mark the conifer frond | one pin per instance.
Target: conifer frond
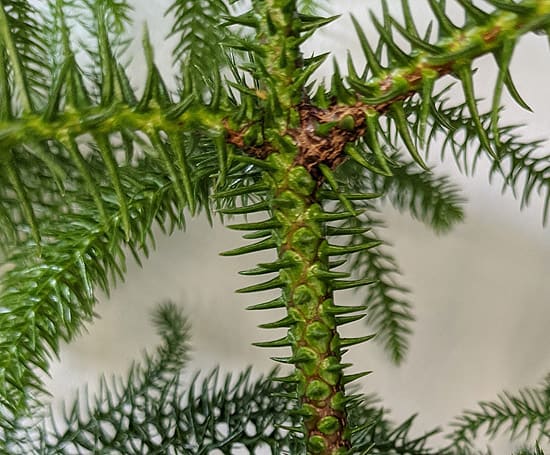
(378, 435)
(537, 450)
(44, 192)
(200, 35)
(152, 410)
(119, 404)
(88, 166)
(524, 414)
(522, 163)
(59, 146)
(22, 37)
(70, 111)
(100, 27)
(48, 298)
(388, 311)
(432, 199)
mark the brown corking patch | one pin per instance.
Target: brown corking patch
(328, 149)
(313, 149)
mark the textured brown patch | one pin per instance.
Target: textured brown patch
(328, 149)
(313, 149)
(236, 138)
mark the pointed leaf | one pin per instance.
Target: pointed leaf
(465, 75)
(24, 199)
(106, 152)
(265, 286)
(241, 190)
(446, 27)
(287, 321)
(281, 342)
(267, 224)
(392, 48)
(272, 304)
(373, 63)
(176, 142)
(347, 342)
(336, 250)
(399, 117)
(372, 134)
(338, 285)
(331, 179)
(261, 206)
(356, 156)
(349, 319)
(266, 244)
(343, 230)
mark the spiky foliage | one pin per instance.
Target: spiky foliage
(522, 164)
(527, 451)
(71, 241)
(199, 41)
(524, 414)
(433, 199)
(425, 196)
(389, 311)
(152, 410)
(89, 165)
(23, 42)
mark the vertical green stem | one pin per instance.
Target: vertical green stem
(297, 229)
(279, 36)
(305, 277)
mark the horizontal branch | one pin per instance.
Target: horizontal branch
(454, 52)
(105, 120)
